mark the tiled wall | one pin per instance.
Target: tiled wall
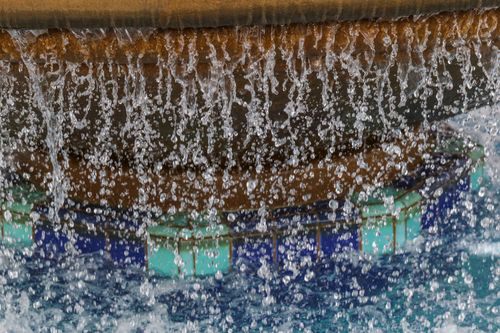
(293, 238)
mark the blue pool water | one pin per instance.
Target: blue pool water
(447, 280)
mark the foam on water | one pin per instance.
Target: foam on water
(486, 249)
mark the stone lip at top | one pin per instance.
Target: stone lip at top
(175, 14)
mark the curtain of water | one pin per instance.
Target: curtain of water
(251, 99)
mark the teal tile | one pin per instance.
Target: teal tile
(374, 205)
(171, 227)
(23, 198)
(212, 256)
(170, 258)
(179, 220)
(213, 250)
(171, 252)
(18, 232)
(210, 231)
(477, 176)
(377, 229)
(477, 153)
(163, 231)
(401, 230)
(377, 236)
(186, 252)
(161, 259)
(413, 225)
(374, 210)
(203, 247)
(410, 199)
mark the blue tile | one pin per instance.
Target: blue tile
(126, 251)
(336, 241)
(89, 243)
(437, 209)
(429, 218)
(50, 241)
(295, 248)
(285, 218)
(244, 221)
(109, 218)
(464, 184)
(252, 250)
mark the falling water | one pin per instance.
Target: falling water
(196, 121)
(228, 101)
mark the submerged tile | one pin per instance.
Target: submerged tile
(89, 242)
(161, 259)
(385, 214)
(18, 232)
(50, 241)
(212, 256)
(252, 250)
(413, 223)
(22, 199)
(377, 236)
(297, 247)
(171, 258)
(179, 246)
(341, 239)
(477, 176)
(127, 251)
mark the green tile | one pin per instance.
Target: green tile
(457, 145)
(401, 230)
(213, 251)
(210, 231)
(413, 225)
(186, 252)
(477, 176)
(410, 199)
(198, 243)
(162, 258)
(163, 231)
(452, 145)
(23, 198)
(374, 205)
(18, 232)
(171, 248)
(377, 236)
(477, 153)
(377, 229)
(212, 256)
(179, 220)
(374, 210)
(171, 227)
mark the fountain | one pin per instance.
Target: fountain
(180, 136)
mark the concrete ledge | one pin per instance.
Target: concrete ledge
(32, 14)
